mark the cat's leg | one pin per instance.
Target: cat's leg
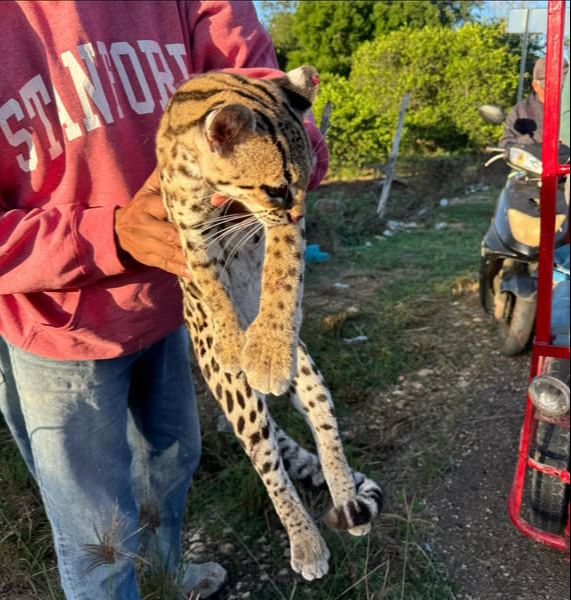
(356, 500)
(304, 466)
(269, 356)
(248, 414)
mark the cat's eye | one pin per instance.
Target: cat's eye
(276, 193)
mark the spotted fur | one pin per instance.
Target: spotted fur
(245, 139)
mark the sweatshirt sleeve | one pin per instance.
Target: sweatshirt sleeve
(228, 36)
(60, 248)
(509, 134)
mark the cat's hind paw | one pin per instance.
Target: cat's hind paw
(356, 515)
(310, 556)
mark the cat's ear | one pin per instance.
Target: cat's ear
(300, 86)
(228, 127)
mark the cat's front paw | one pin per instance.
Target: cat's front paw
(268, 360)
(230, 341)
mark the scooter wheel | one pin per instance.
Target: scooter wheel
(516, 326)
(549, 496)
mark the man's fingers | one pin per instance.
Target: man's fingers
(146, 229)
(154, 246)
(171, 266)
(152, 205)
(167, 232)
(142, 230)
(156, 253)
(152, 183)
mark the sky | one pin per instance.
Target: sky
(491, 8)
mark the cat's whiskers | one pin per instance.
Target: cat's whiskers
(210, 224)
(240, 245)
(207, 197)
(233, 230)
(236, 231)
(221, 220)
(225, 205)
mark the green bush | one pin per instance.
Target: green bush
(356, 131)
(449, 73)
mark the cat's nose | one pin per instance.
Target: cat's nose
(296, 214)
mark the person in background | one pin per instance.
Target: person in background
(95, 383)
(524, 124)
(564, 124)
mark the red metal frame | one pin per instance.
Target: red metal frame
(542, 347)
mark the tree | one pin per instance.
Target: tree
(326, 34)
(278, 17)
(449, 72)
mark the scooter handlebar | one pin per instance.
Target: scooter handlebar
(491, 149)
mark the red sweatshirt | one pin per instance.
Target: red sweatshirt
(82, 90)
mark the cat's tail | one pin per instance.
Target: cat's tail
(300, 464)
(357, 514)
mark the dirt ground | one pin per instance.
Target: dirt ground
(485, 554)
(466, 499)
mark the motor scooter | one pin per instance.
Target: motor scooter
(510, 248)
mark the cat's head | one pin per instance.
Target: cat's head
(254, 147)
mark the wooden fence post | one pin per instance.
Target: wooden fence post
(325, 118)
(389, 171)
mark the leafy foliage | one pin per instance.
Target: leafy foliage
(279, 16)
(326, 34)
(449, 73)
(356, 133)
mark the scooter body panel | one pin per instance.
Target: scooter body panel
(515, 229)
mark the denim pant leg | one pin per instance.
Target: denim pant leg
(11, 408)
(164, 431)
(76, 423)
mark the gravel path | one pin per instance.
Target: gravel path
(486, 555)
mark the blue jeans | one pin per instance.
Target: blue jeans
(113, 445)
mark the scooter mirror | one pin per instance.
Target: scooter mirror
(492, 114)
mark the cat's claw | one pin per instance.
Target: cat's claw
(269, 362)
(361, 530)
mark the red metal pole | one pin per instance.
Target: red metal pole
(551, 168)
(541, 347)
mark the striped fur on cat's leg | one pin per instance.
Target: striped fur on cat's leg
(356, 500)
(269, 356)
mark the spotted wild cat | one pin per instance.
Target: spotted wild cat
(244, 139)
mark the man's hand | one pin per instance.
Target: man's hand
(143, 232)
